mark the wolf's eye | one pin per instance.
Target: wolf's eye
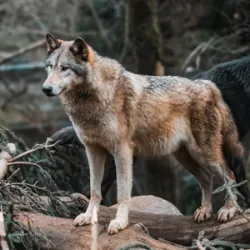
(64, 68)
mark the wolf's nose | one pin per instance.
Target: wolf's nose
(47, 90)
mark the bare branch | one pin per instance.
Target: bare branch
(24, 163)
(14, 95)
(199, 245)
(57, 32)
(32, 150)
(99, 23)
(22, 51)
(38, 20)
(126, 33)
(191, 56)
(201, 48)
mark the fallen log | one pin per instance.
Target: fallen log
(178, 229)
(183, 229)
(64, 236)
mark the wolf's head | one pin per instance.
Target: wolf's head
(67, 64)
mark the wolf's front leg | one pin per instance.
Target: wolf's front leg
(96, 159)
(123, 161)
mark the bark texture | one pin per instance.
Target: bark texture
(179, 229)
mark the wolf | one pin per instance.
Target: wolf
(233, 80)
(115, 111)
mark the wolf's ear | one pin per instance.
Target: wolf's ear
(52, 43)
(80, 49)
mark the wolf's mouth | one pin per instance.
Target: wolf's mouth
(49, 94)
(49, 91)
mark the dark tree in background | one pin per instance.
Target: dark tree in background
(146, 36)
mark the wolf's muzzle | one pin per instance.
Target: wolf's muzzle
(48, 90)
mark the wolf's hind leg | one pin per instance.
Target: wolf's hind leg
(96, 159)
(205, 180)
(228, 211)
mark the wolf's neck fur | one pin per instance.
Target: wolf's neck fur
(103, 77)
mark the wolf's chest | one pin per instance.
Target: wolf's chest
(102, 131)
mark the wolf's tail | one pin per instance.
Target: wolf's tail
(233, 153)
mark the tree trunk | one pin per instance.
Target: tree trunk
(178, 229)
(148, 46)
(146, 36)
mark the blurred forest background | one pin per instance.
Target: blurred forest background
(157, 37)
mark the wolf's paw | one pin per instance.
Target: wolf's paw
(202, 213)
(82, 219)
(117, 225)
(226, 213)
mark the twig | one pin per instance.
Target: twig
(65, 34)
(13, 96)
(22, 66)
(231, 190)
(191, 56)
(200, 48)
(216, 45)
(126, 33)
(74, 15)
(16, 184)
(38, 147)
(21, 51)
(17, 170)
(229, 37)
(24, 163)
(199, 245)
(99, 23)
(204, 48)
(38, 20)
(203, 243)
(241, 50)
